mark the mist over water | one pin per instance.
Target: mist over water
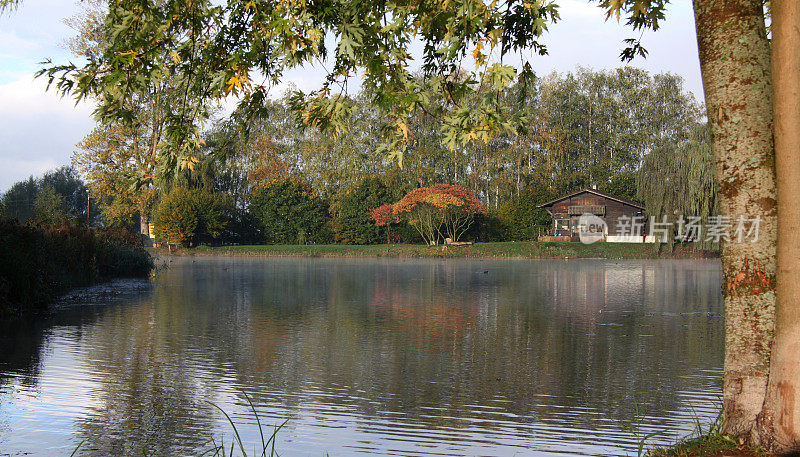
(376, 356)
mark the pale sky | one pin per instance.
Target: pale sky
(38, 130)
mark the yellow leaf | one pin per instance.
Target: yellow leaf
(233, 84)
(402, 127)
(495, 35)
(477, 54)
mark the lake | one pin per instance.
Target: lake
(371, 356)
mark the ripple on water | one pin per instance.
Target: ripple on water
(374, 357)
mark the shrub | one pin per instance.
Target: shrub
(176, 217)
(189, 216)
(351, 211)
(243, 228)
(288, 212)
(487, 227)
(120, 253)
(215, 212)
(383, 216)
(519, 217)
(49, 208)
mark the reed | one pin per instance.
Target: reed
(39, 263)
(235, 447)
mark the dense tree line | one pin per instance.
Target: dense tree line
(582, 129)
(57, 196)
(638, 136)
(619, 131)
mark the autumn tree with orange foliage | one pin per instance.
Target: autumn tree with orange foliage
(447, 207)
(382, 216)
(268, 166)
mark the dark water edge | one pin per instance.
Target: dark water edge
(389, 357)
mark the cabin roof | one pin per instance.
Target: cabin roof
(596, 192)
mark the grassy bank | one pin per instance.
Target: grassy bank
(38, 264)
(705, 441)
(710, 443)
(708, 446)
(511, 250)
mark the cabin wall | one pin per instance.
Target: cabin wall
(613, 211)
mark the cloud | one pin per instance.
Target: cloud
(12, 45)
(583, 37)
(21, 169)
(575, 9)
(38, 130)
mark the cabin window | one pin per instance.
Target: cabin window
(577, 226)
(562, 224)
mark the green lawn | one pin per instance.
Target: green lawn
(530, 250)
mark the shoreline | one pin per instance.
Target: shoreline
(493, 250)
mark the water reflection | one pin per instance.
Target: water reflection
(386, 357)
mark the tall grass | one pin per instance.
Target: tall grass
(267, 441)
(705, 440)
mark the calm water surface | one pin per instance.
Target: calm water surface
(384, 357)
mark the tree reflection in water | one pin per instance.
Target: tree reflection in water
(385, 356)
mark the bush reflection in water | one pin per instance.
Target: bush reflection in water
(380, 356)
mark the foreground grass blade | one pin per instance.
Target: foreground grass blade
(235, 430)
(258, 422)
(76, 448)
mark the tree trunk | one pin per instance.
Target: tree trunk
(144, 223)
(735, 64)
(779, 422)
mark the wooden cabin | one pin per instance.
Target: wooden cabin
(567, 210)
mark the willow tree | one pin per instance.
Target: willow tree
(676, 178)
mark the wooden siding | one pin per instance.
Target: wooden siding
(612, 210)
